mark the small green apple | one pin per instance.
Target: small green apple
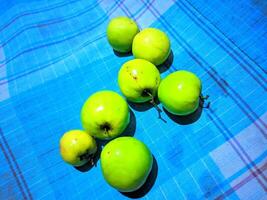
(139, 80)
(179, 92)
(151, 44)
(105, 114)
(121, 32)
(77, 147)
(126, 163)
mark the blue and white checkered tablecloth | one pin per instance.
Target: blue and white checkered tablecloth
(54, 54)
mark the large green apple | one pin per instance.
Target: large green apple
(139, 80)
(179, 92)
(77, 147)
(126, 163)
(105, 114)
(151, 44)
(121, 32)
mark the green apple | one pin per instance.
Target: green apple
(121, 32)
(180, 92)
(126, 163)
(151, 44)
(77, 147)
(105, 114)
(139, 80)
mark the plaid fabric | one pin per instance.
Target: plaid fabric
(54, 54)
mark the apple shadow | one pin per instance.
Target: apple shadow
(167, 63)
(187, 119)
(150, 181)
(141, 107)
(191, 118)
(130, 129)
(121, 54)
(89, 165)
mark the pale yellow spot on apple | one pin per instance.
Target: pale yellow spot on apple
(134, 72)
(100, 108)
(74, 141)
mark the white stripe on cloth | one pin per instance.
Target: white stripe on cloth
(4, 93)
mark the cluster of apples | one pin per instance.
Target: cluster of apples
(125, 161)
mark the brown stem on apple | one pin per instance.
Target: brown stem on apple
(205, 106)
(152, 101)
(202, 99)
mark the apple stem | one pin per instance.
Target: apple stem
(155, 105)
(152, 101)
(205, 106)
(202, 99)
